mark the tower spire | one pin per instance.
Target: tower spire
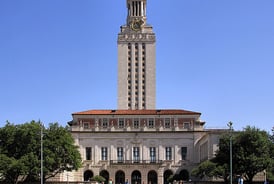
(136, 10)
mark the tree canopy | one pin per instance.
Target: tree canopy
(20, 147)
(252, 153)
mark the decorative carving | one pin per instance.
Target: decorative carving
(144, 37)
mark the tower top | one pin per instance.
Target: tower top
(136, 12)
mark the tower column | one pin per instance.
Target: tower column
(142, 8)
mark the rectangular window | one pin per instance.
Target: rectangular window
(105, 123)
(167, 123)
(104, 153)
(183, 152)
(151, 123)
(121, 123)
(136, 154)
(187, 125)
(136, 123)
(168, 153)
(86, 125)
(88, 153)
(152, 153)
(120, 154)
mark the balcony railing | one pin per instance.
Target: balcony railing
(131, 162)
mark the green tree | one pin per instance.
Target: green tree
(205, 169)
(60, 153)
(15, 147)
(270, 169)
(251, 152)
(20, 147)
(210, 169)
(98, 178)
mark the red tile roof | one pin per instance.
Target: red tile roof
(138, 112)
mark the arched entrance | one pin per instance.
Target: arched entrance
(167, 175)
(152, 177)
(105, 174)
(120, 177)
(184, 175)
(136, 177)
(88, 174)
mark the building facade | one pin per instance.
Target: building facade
(140, 146)
(137, 143)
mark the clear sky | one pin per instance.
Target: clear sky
(213, 56)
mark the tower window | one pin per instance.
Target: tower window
(143, 46)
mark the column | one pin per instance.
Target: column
(142, 8)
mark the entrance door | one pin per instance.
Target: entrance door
(152, 177)
(167, 175)
(136, 177)
(88, 175)
(105, 175)
(120, 177)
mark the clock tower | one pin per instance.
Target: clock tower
(136, 60)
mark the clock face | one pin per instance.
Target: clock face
(136, 25)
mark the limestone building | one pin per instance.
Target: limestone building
(137, 143)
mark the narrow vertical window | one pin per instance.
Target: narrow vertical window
(183, 152)
(104, 153)
(121, 123)
(167, 123)
(120, 154)
(105, 123)
(136, 123)
(136, 154)
(152, 152)
(168, 153)
(88, 153)
(151, 123)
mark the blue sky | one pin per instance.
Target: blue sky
(213, 56)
